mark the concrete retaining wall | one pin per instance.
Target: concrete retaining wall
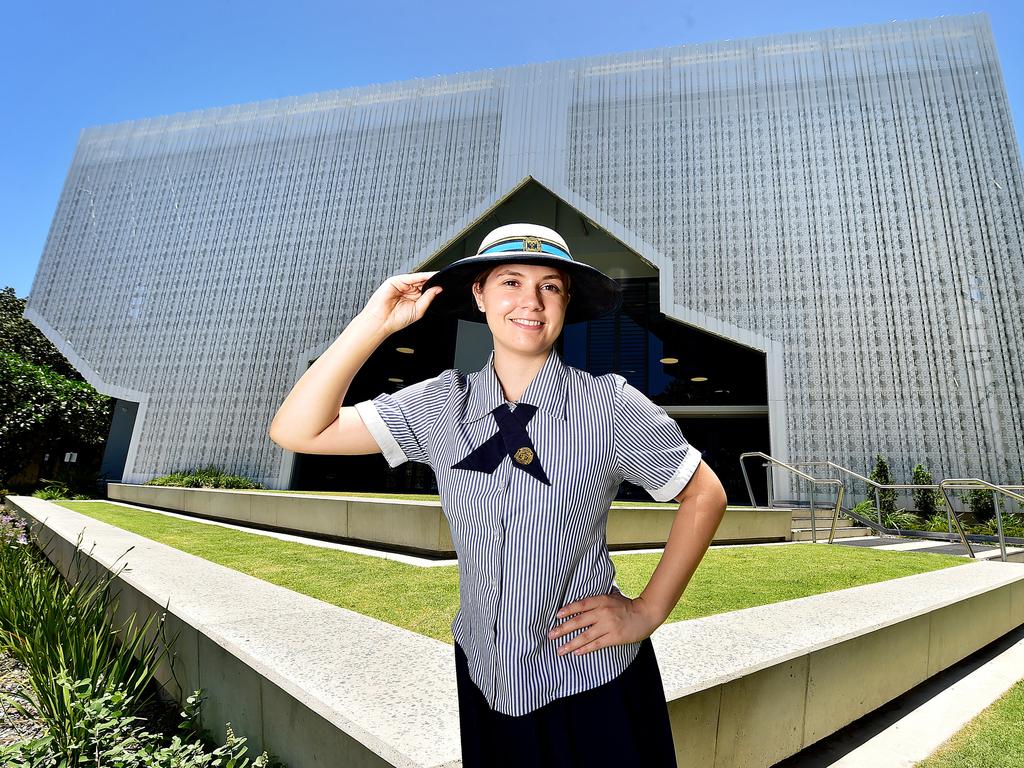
(419, 527)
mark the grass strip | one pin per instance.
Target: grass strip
(425, 600)
(993, 739)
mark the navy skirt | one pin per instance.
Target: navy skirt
(622, 722)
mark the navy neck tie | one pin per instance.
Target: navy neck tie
(510, 440)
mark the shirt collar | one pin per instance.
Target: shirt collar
(547, 391)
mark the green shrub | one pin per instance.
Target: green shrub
(901, 518)
(938, 523)
(55, 490)
(866, 509)
(205, 477)
(51, 625)
(881, 475)
(106, 734)
(926, 500)
(980, 504)
(1013, 525)
(86, 676)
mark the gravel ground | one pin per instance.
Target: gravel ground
(14, 726)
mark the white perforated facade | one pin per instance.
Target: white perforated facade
(847, 202)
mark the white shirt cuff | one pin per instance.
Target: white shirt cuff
(375, 425)
(682, 476)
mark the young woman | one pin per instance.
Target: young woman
(554, 664)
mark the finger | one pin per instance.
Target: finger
(591, 646)
(574, 607)
(424, 300)
(581, 641)
(416, 277)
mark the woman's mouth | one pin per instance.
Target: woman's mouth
(527, 325)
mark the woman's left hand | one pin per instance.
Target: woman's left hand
(613, 619)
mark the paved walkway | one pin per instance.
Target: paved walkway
(925, 545)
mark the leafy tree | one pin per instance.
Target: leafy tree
(926, 500)
(22, 338)
(881, 475)
(45, 404)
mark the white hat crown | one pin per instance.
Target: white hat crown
(522, 231)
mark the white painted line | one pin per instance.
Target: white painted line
(912, 545)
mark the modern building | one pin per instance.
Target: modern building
(819, 235)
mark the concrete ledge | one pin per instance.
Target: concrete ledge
(320, 685)
(754, 686)
(316, 684)
(420, 527)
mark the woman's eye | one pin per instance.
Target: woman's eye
(546, 285)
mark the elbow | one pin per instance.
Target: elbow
(278, 439)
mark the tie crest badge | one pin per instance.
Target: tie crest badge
(511, 439)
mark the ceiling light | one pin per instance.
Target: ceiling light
(698, 378)
(405, 350)
(395, 379)
(669, 360)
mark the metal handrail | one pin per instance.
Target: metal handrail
(879, 487)
(805, 476)
(951, 514)
(974, 482)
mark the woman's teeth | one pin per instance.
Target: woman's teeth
(528, 323)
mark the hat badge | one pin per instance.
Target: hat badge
(524, 455)
(531, 243)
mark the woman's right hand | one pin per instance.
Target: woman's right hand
(400, 302)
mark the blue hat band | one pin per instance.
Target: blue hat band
(521, 245)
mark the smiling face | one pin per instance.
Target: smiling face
(525, 305)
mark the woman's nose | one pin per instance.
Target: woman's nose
(534, 298)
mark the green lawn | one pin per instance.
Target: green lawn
(425, 600)
(994, 739)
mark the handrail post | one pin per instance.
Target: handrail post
(996, 503)
(835, 512)
(949, 503)
(814, 518)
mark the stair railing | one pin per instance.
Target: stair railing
(976, 483)
(840, 488)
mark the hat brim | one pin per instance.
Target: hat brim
(592, 292)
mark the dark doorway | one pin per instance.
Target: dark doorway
(714, 388)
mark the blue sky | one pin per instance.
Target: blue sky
(66, 66)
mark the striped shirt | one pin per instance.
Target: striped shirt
(527, 547)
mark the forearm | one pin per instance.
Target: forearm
(316, 398)
(693, 528)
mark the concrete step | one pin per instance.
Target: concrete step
(804, 521)
(847, 531)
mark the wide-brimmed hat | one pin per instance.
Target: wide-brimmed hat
(592, 293)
